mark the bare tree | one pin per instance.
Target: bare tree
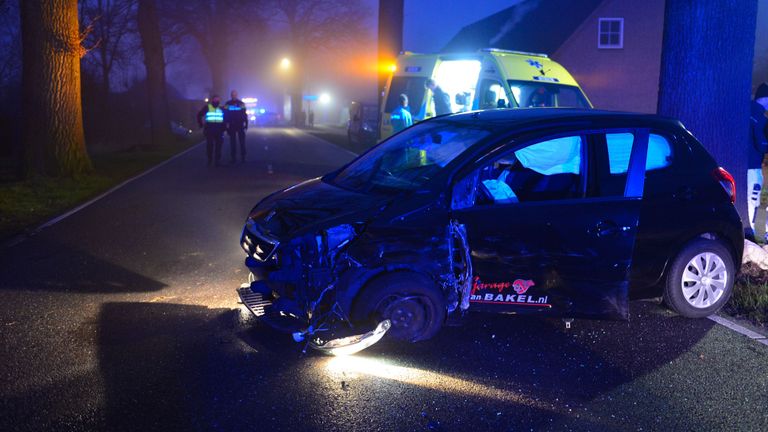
(314, 27)
(53, 119)
(213, 25)
(706, 73)
(110, 23)
(108, 26)
(154, 63)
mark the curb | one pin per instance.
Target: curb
(13, 241)
(755, 336)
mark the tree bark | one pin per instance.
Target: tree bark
(154, 63)
(53, 118)
(706, 73)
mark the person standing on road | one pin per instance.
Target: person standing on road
(236, 119)
(211, 119)
(759, 137)
(401, 116)
(441, 98)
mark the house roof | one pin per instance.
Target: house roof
(530, 25)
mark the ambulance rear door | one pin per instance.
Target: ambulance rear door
(409, 77)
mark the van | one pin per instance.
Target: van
(490, 78)
(361, 127)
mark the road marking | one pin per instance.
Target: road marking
(740, 329)
(13, 241)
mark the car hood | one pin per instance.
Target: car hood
(314, 205)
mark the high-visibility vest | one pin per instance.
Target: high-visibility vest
(214, 115)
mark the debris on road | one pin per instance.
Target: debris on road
(755, 254)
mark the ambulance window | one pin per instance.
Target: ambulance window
(492, 95)
(413, 87)
(547, 94)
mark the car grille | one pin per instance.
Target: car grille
(256, 244)
(255, 302)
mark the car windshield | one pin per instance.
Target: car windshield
(544, 94)
(410, 159)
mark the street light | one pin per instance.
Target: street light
(324, 98)
(285, 63)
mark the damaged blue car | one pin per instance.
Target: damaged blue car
(550, 212)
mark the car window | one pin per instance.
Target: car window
(611, 174)
(548, 170)
(620, 146)
(410, 159)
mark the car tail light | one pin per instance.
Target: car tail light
(726, 181)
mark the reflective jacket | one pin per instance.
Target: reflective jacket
(211, 117)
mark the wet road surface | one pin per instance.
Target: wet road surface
(124, 317)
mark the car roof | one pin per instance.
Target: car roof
(523, 118)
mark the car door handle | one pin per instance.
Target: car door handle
(608, 229)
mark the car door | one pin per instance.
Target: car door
(543, 238)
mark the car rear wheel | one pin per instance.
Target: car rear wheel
(412, 303)
(700, 279)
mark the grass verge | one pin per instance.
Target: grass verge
(750, 296)
(26, 204)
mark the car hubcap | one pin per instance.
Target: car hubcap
(407, 314)
(704, 280)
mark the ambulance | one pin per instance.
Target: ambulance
(489, 79)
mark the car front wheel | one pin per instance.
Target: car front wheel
(414, 306)
(700, 279)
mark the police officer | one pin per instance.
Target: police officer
(236, 118)
(759, 138)
(211, 119)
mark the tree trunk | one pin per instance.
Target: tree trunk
(105, 108)
(706, 73)
(298, 116)
(53, 118)
(154, 63)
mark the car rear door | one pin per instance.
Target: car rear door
(544, 238)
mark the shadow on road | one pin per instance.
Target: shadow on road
(194, 368)
(54, 266)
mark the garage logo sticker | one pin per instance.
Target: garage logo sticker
(480, 294)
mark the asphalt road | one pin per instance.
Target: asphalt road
(124, 317)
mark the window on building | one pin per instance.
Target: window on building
(610, 33)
